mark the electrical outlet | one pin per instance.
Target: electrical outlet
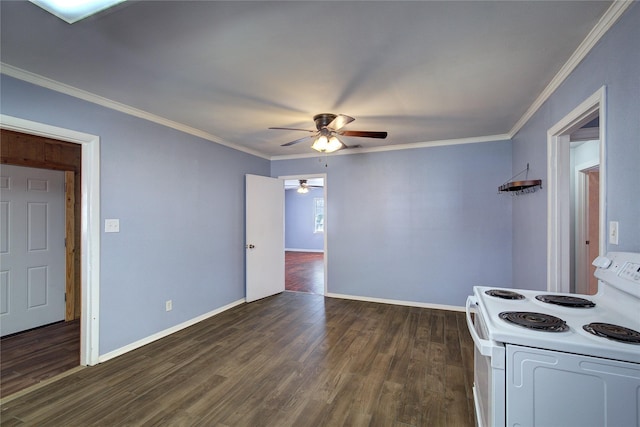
(613, 232)
(168, 305)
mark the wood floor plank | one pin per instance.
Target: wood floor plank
(386, 411)
(37, 355)
(304, 271)
(289, 360)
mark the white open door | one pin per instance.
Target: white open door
(32, 254)
(265, 237)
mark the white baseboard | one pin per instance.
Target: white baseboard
(397, 302)
(303, 250)
(151, 338)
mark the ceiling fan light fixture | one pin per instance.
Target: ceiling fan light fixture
(320, 144)
(334, 144)
(329, 125)
(327, 145)
(302, 190)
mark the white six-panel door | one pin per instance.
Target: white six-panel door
(265, 237)
(32, 254)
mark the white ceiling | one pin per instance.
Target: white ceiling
(421, 70)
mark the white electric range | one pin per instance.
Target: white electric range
(548, 359)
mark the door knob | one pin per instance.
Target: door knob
(250, 246)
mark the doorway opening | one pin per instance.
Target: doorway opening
(576, 198)
(587, 227)
(35, 270)
(89, 250)
(305, 233)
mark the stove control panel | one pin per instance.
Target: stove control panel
(630, 271)
(620, 270)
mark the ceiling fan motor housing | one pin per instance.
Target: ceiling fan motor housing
(322, 120)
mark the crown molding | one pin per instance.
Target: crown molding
(610, 17)
(398, 147)
(56, 86)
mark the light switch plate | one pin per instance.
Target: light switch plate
(111, 225)
(613, 232)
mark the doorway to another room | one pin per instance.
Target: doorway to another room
(305, 228)
(40, 297)
(585, 220)
(42, 353)
(576, 174)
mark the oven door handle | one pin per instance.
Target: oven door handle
(486, 347)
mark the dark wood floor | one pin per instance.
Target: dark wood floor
(294, 359)
(304, 272)
(37, 355)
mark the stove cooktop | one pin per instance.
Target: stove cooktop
(606, 324)
(566, 301)
(536, 321)
(570, 335)
(613, 332)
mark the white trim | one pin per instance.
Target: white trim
(90, 229)
(151, 338)
(319, 251)
(610, 17)
(607, 20)
(558, 197)
(397, 147)
(397, 302)
(45, 82)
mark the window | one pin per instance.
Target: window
(318, 215)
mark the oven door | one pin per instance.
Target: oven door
(488, 371)
(552, 388)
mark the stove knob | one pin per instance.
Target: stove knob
(601, 262)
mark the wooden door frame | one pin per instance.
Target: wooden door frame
(71, 311)
(90, 227)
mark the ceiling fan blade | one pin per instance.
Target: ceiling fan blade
(304, 130)
(305, 183)
(297, 141)
(363, 133)
(339, 122)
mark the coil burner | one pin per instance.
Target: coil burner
(566, 301)
(504, 294)
(613, 332)
(536, 321)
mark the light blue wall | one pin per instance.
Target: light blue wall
(299, 220)
(180, 201)
(432, 229)
(615, 63)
